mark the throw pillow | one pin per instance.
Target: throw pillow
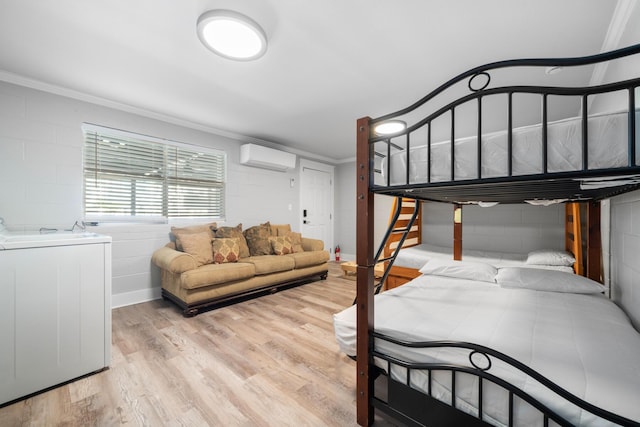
(280, 229)
(235, 233)
(296, 241)
(178, 232)
(198, 245)
(281, 245)
(547, 280)
(258, 239)
(550, 257)
(471, 270)
(225, 250)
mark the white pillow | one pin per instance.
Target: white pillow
(550, 257)
(460, 269)
(546, 280)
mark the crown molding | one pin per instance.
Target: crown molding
(20, 80)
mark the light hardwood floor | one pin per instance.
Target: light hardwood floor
(269, 361)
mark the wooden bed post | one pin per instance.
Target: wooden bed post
(457, 232)
(594, 242)
(365, 272)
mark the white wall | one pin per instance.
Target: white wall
(345, 208)
(517, 228)
(622, 69)
(624, 233)
(41, 179)
(625, 254)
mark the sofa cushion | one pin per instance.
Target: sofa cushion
(215, 274)
(234, 232)
(267, 264)
(296, 241)
(198, 245)
(258, 239)
(280, 229)
(309, 258)
(281, 245)
(225, 249)
(177, 232)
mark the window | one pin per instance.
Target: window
(129, 176)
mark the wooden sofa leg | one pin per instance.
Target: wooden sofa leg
(190, 312)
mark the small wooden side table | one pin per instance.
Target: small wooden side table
(349, 270)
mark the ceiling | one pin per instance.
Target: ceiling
(328, 62)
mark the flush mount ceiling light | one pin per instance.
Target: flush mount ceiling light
(390, 127)
(232, 35)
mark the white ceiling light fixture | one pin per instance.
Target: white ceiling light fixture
(232, 35)
(390, 127)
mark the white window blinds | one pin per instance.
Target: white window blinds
(133, 176)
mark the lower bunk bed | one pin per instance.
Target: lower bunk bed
(413, 254)
(441, 340)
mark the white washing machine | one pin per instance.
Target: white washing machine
(55, 309)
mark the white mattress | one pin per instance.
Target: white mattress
(583, 342)
(417, 256)
(607, 135)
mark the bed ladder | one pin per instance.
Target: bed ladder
(573, 235)
(402, 225)
(589, 263)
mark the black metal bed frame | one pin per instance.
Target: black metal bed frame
(511, 188)
(413, 402)
(411, 406)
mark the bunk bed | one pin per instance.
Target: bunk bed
(441, 363)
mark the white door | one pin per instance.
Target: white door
(316, 202)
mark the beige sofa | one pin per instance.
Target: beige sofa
(195, 280)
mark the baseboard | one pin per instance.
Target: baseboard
(135, 297)
(347, 257)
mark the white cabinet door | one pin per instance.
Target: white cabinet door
(52, 316)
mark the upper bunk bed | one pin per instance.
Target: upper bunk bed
(485, 138)
(512, 143)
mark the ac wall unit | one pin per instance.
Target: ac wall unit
(267, 158)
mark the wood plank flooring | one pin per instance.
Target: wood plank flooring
(270, 361)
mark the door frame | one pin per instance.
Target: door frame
(304, 163)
